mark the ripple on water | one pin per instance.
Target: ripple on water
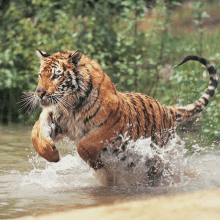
(70, 183)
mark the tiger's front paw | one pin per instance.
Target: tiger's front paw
(44, 145)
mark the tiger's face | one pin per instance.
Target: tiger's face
(58, 78)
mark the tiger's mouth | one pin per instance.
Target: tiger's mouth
(60, 100)
(46, 101)
(51, 99)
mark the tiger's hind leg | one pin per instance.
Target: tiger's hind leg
(155, 166)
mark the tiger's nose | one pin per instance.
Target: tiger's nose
(41, 92)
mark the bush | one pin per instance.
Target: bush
(109, 31)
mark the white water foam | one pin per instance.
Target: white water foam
(168, 164)
(173, 166)
(70, 172)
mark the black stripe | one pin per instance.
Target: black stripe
(129, 117)
(153, 138)
(159, 109)
(148, 97)
(94, 114)
(60, 82)
(123, 158)
(213, 82)
(82, 65)
(210, 92)
(121, 131)
(98, 90)
(206, 101)
(162, 127)
(64, 68)
(178, 115)
(153, 128)
(68, 74)
(118, 119)
(172, 113)
(104, 122)
(196, 109)
(90, 107)
(82, 100)
(89, 85)
(161, 136)
(124, 124)
(164, 116)
(77, 79)
(154, 121)
(183, 110)
(211, 70)
(170, 120)
(54, 66)
(138, 116)
(146, 115)
(202, 60)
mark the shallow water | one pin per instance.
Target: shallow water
(29, 185)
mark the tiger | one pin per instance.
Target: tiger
(80, 102)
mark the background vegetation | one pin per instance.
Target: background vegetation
(137, 50)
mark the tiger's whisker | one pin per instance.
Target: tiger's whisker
(29, 101)
(59, 103)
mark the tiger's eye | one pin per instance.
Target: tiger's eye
(55, 76)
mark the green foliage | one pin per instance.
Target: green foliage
(100, 30)
(109, 32)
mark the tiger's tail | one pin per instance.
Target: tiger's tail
(189, 111)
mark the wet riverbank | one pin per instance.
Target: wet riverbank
(201, 205)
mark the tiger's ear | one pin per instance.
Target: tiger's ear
(42, 54)
(75, 57)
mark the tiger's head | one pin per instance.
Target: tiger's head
(58, 77)
(64, 80)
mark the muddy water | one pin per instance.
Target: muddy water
(29, 185)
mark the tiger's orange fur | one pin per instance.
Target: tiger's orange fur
(80, 101)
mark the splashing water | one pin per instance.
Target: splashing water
(69, 173)
(142, 165)
(31, 185)
(128, 168)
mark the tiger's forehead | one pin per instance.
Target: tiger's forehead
(59, 60)
(60, 56)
